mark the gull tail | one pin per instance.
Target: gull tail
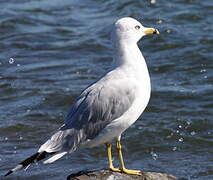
(52, 150)
(27, 162)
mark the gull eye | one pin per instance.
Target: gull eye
(137, 27)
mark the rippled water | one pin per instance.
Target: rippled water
(50, 50)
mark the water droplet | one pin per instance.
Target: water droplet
(177, 131)
(15, 147)
(153, 1)
(174, 148)
(28, 110)
(180, 126)
(203, 70)
(6, 138)
(11, 60)
(140, 127)
(154, 155)
(168, 30)
(193, 133)
(20, 137)
(169, 136)
(67, 89)
(205, 77)
(14, 152)
(18, 65)
(180, 140)
(188, 123)
(159, 21)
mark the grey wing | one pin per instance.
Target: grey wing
(98, 106)
(95, 108)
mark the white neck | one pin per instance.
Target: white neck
(129, 55)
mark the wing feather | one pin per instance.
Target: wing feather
(98, 106)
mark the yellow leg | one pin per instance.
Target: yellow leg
(121, 161)
(109, 155)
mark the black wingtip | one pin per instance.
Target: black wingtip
(8, 173)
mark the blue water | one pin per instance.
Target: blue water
(50, 50)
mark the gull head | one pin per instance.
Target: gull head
(129, 30)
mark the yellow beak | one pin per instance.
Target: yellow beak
(151, 31)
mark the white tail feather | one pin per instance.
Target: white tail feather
(18, 167)
(55, 157)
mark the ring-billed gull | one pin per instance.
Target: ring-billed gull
(105, 109)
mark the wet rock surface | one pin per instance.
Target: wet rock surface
(109, 175)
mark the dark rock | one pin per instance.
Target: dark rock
(109, 175)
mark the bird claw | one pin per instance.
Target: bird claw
(126, 171)
(114, 169)
(131, 172)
